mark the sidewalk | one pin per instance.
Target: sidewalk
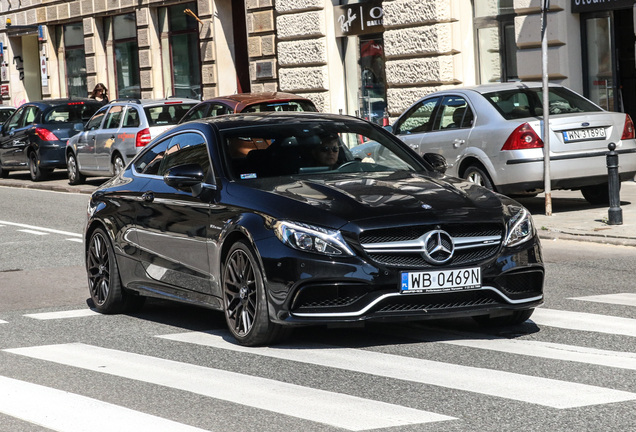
(572, 218)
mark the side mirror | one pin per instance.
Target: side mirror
(388, 128)
(184, 177)
(79, 127)
(437, 161)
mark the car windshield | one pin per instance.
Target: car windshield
(73, 112)
(324, 148)
(5, 114)
(528, 102)
(293, 105)
(166, 114)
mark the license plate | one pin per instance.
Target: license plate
(584, 134)
(441, 281)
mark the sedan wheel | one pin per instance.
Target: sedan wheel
(104, 282)
(74, 176)
(37, 173)
(118, 165)
(477, 175)
(4, 173)
(244, 299)
(596, 194)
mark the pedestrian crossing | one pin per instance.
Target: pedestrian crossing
(329, 409)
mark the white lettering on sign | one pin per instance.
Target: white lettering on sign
(346, 22)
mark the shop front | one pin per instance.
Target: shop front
(360, 31)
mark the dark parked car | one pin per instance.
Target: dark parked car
(35, 136)
(271, 219)
(249, 102)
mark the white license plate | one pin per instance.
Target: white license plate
(584, 134)
(441, 281)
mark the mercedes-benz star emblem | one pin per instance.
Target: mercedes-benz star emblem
(438, 247)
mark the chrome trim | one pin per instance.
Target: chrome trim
(419, 245)
(379, 299)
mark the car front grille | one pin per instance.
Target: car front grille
(402, 247)
(438, 302)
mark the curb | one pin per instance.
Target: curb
(552, 234)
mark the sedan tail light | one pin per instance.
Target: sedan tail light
(143, 138)
(45, 134)
(524, 137)
(628, 129)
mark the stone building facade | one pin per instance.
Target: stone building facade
(403, 49)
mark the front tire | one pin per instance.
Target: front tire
(75, 177)
(476, 174)
(244, 300)
(118, 164)
(104, 282)
(514, 318)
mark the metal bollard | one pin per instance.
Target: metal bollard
(615, 213)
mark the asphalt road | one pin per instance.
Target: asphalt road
(173, 368)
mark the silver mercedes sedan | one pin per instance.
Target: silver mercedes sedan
(492, 135)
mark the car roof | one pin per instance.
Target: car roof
(232, 121)
(63, 101)
(145, 102)
(487, 88)
(241, 100)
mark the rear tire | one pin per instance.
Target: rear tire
(75, 177)
(244, 299)
(476, 174)
(514, 318)
(4, 173)
(37, 173)
(596, 194)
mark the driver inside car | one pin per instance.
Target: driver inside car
(326, 153)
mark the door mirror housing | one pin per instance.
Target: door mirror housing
(185, 177)
(79, 127)
(388, 128)
(437, 161)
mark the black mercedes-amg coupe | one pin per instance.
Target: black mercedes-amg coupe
(283, 219)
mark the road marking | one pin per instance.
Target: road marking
(33, 232)
(525, 388)
(76, 240)
(4, 322)
(69, 412)
(339, 410)
(584, 321)
(625, 299)
(77, 313)
(54, 231)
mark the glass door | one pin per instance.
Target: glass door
(598, 60)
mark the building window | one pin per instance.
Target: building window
(496, 45)
(184, 46)
(126, 56)
(75, 59)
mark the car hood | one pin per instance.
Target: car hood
(366, 199)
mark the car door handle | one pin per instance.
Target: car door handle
(148, 197)
(458, 142)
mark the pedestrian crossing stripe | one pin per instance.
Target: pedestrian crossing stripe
(536, 390)
(77, 313)
(33, 232)
(69, 412)
(3, 322)
(624, 299)
(585, 322)
(335, 409)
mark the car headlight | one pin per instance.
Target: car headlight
(309, 238)
(520, 227)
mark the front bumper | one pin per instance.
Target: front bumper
(313, 291)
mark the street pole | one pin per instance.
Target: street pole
(546, 108)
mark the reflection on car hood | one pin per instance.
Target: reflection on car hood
(358, 197)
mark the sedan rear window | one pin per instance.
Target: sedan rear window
(528, 102)
(73, 113)
(293, 105)
(167, 114)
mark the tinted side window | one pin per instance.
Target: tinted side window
(218, 109)
(197, 113)
(131, 118)
(150, 160)
(420, 119)
(186, 148)
(29, 115)
(113, 117)
(96, 120)
(5, 114)
(15, 120)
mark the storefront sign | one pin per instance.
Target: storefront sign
(359, 18)
(44, 69)
(4, 90)
(579, 6)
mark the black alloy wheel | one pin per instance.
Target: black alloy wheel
(244, 299)
(476, 174)
(75, 177)
(37, 173)
(104, 283)
(596, 194)
(514, 318)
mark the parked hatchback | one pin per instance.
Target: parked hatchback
(249, 102)
(116, 133)
(34, 137)
(491, 135)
